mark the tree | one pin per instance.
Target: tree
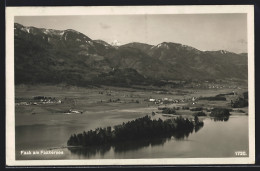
(196, 119)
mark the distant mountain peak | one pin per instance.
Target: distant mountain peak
(223, 52)
(53, 32)
(102, 42)
(169, 46)
(163, 45)
(71, 30)
(115, 43)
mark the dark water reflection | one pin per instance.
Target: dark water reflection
(197, 128)
(232, 135)
(90, 151)
(131, 145)
(221, 119)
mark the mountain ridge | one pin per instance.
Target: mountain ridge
(72, 57)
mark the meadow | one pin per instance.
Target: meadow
(124, 103)
(50, 125)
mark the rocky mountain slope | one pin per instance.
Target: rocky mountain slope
(67, 56)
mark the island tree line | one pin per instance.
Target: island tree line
(138, 129)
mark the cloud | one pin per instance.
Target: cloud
(104, 26)
(242, 41)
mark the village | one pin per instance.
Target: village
(166, 100)
(37, 100)
(129, 101)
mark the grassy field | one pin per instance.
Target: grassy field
(124, 103)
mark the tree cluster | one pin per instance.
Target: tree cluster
(199, 114)
(169, 111)
(238, 103)
(219, 112)
(196, 109)
(138, 129)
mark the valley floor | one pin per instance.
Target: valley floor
(41, 124)
(124, 103)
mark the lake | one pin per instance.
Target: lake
(216, 138)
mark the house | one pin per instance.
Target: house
(75, 111)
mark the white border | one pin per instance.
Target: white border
(126, 10)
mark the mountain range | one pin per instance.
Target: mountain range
(68, 56)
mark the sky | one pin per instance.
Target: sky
(202, 31)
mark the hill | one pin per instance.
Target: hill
(68, 56)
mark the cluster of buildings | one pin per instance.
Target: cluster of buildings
(170, 100)
(73, 111)
(44, 101)
(39, 100)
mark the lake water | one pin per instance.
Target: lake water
(214, 139)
